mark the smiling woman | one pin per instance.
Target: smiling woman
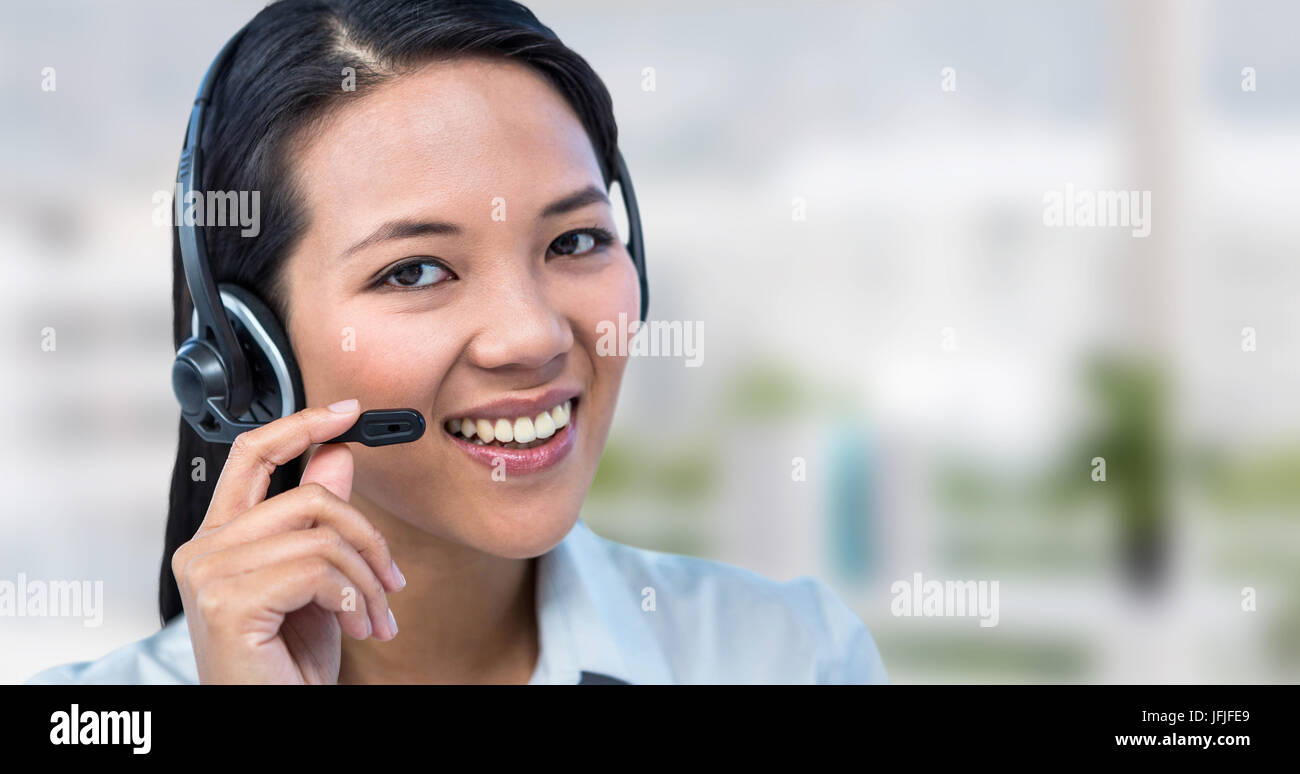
(437, 234)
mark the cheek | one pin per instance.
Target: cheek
(604, 328)
(611, 307)
(380, 358)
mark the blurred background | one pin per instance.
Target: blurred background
(905, 370)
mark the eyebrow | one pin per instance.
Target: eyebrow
(406, 228)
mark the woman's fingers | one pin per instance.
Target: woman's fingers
(300, 544)
(253, 561)
(256, 454)
(330, 466)
(231, 602)
(299, 509)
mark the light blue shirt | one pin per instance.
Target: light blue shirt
(610, 612)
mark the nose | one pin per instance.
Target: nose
(520, 326)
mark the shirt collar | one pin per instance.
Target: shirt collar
(589, 617)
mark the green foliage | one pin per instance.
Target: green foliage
(765, 389)
(1132, 437)
(1266, 479)
(616, 473)
(964, 486)
(682, 473)
(688, 475)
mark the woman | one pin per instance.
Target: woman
(435, 233)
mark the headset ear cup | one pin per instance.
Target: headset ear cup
(259, 331)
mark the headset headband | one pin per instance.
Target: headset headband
(214, 326)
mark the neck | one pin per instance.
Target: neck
(465, 616)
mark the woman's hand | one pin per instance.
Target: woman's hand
(268, 585)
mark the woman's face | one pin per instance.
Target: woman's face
(441, 271)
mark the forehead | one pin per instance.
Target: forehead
(447, 136)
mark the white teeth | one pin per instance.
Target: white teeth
(524, 431)
(544, 425)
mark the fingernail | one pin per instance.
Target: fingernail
(344, 406)
(370, 627)
(392, 621)
(401, 579)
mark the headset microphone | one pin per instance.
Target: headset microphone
(236, 371)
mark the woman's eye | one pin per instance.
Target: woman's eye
(427, 273)
(580, 242)
(417, 274)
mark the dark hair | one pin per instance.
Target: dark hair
(285, 74)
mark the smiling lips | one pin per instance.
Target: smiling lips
(522, 444)
(518, 433)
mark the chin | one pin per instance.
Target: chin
(520, 530)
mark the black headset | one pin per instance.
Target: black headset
(236, 371)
